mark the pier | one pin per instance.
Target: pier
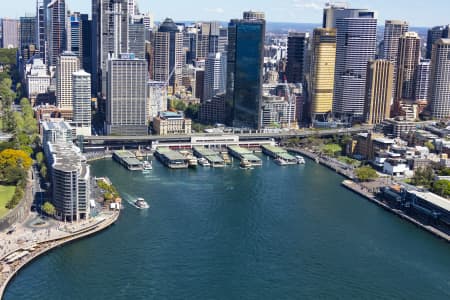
(128, 160)
(171, 159)
(211, 156)
(279, 153)
(245, 154)
(356, 188)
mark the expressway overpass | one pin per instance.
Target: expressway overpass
(100, 143)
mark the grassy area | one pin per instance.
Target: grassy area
(6, 193)
(349, 161)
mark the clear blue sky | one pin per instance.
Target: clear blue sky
(299, 11)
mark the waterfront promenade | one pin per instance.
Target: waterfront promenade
(29, 240)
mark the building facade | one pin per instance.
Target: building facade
(168, 55)
(439, 93)
(81, 101)
(323, 62)
(393, 30)
(422, 81)
(67, 64)
(172, 123)
(10, 33)
(434, 34)
(126, 110)
(379, 83)
(296, 56)
(215, 75)
(356, 44)
(245, 72)
(56, 30)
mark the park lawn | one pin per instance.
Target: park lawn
(6, 194)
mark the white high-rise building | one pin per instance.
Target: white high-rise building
(156, 98)
(215, 75)
(439, 92)
(82, 115)
(126, 111)
(356, 44)
(132, 7)
(68, 63)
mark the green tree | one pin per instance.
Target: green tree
(44, 171)
(442, 188)
(430, 146)
(39, 158)
(366, 173)
(332, 150)
(192, 111)
(11, 175)
(49, 209)
(423, 177)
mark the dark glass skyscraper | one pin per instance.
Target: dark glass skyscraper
(296, 56)
(435, 34)
(245, 71)
(27, 35)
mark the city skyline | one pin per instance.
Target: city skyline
(289, 11)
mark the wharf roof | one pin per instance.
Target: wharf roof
(251, 157)
(124, 154)
(240, 150)
(274, 149)
(205, 151)
(170, 154)
(286, 156)
(433, 199)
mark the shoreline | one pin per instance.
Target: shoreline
(352, 186)
(52, 244)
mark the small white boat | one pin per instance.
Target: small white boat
(146, 166)
(204, 162)
(141, 203)
(245, 164)
(300, 160)
(281, 162)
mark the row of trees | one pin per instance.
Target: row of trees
(426, 178)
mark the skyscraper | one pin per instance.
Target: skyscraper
(379, 80)
(110, 35)
(136, 38)
(86, 33)
(27, 35)
(422, 81)
(81, 101)
(356, 45)
(245, 71)
(323, 61)
(393, 30)
(168, 55)
(126, 110)
(10, 33)
(254, 15)
(40, 27)
(439, 93)
(408, 59)
(56, 33)
(76, 38)
(132, 7)
(67, 64)
(215, 75)
(296, 56)
(435, 33)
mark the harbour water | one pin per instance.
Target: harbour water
(268, 233)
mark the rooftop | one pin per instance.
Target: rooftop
(433, 199)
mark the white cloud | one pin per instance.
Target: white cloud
(308, 4)
(217, 10)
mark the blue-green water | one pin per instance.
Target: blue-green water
(269, 233)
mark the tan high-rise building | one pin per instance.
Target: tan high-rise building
(379, 83)
(168, 54)
(393, 30)
(408, 60)
(323, 60)
(67, 64)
